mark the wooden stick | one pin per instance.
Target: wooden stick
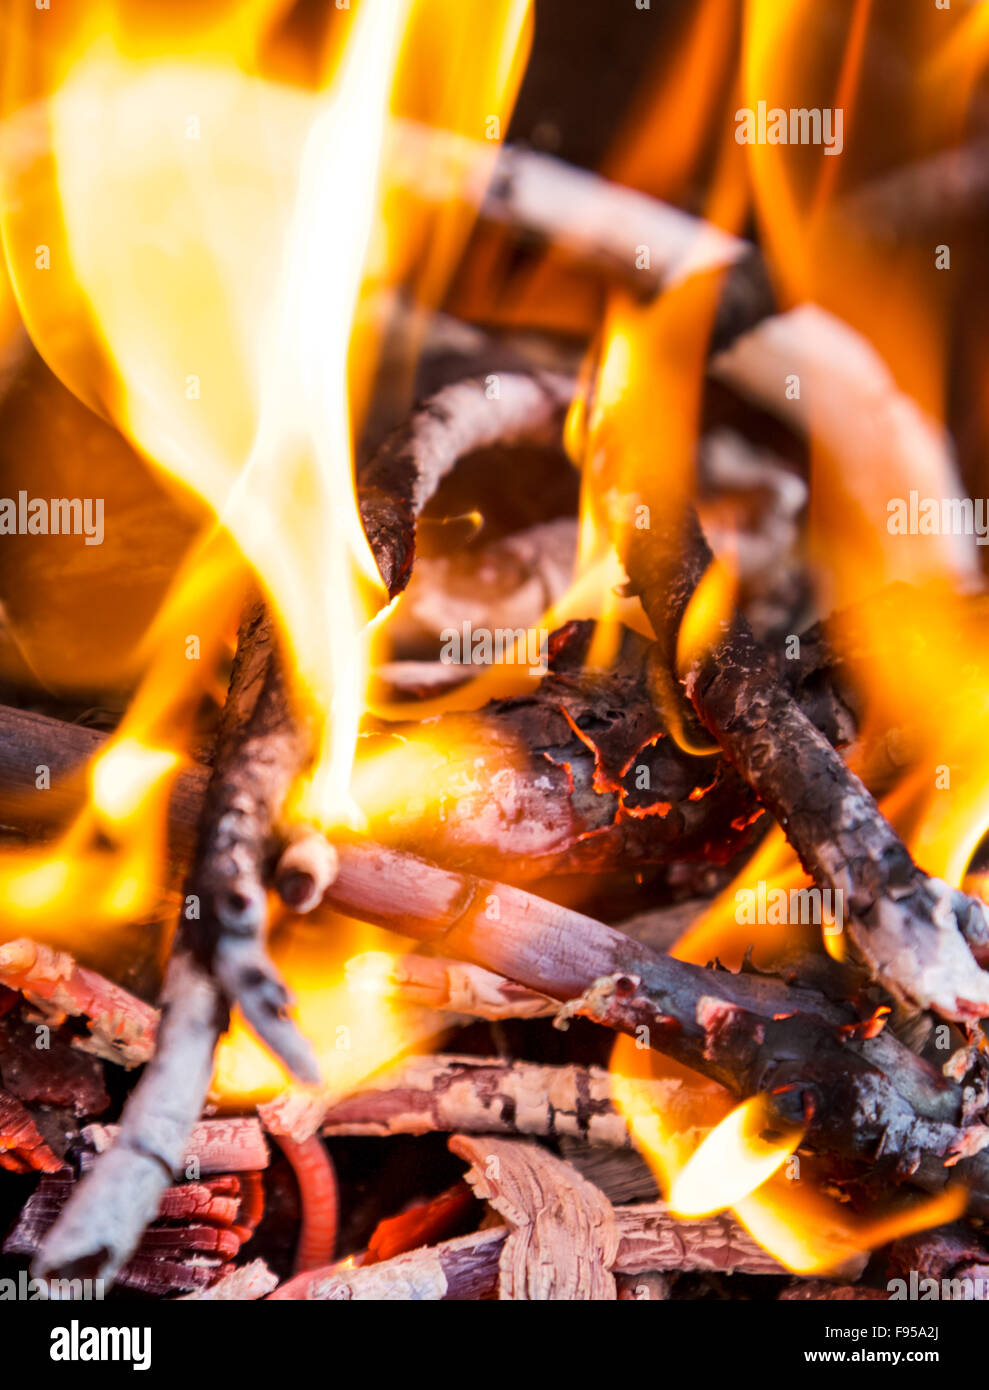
(401, 477)
(260, 751)
(479, 1095)
(102, 1223)
(435, 983)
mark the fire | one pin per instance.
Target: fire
(224, 217)
(736, 1157)
(708, 614)
(913, 651)
(352, 1034)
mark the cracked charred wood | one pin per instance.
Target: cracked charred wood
(581, 775)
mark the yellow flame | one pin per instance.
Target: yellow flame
(812, 1235)
(223, 212)
(735, 1158)
(353, 1034)
(707, 616)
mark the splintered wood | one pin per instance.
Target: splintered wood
(563, 1238)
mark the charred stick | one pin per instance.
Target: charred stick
(215, 1146)
(868, 1098)
(578, 777)
(455, 1270)
(260, 751)
(910, 929)
(480, 1095)
(859, 412)
(219, 957)
(401, 477)
(102, 1223)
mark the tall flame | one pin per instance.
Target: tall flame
(221, 215)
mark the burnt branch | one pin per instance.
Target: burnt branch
(909, 928)
(434, 983)
(260, 751)
(397, 482)
(121, 1026)
(480, 1095)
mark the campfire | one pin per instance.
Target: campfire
(493, 661)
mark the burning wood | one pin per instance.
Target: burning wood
(605, 713)
(22, 1147)
(121, 1027)
(478, 1096)
(544, 1202)
(447, 984)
